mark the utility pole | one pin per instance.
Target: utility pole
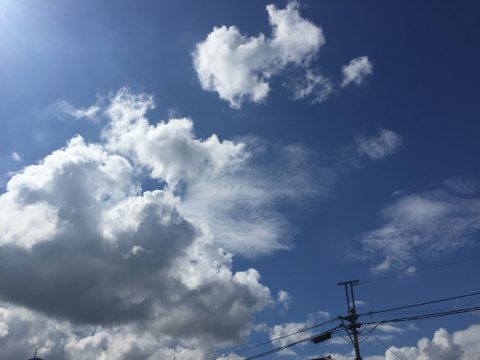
(352, 316)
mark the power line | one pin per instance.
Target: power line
(266, 342)
(426, 316)
(377, 323)
(420, 304)
(369, 332)
(385, 346)
(434, 309)
(290, 345)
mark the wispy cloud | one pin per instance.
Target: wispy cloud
(356, 71)
(379, 146)
(16, 157)
(463, 185)
(422, 225)
(313, 86)
(92, 112)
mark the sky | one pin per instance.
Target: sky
(181, 178)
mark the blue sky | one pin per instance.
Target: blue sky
(159, 159)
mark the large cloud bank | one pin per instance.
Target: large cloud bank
(92, 266)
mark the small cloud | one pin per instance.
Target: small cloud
(463, 185)
(314, 86)
(390, 329)
(16, 157)
(92, 112)
(356, 71)
(278, 335)
(377, 147)
(411, 270)
(360, 303)
(318, 316)
(136, 250)
(397, 193)
(284, 298)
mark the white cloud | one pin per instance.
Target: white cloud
(284, 298)
(168, 149)
(279, 331)
(220, 192)
(356, 71)
(239, 67)
(314, 86)
(360, 303)
(92, 112)
(390, 329)
(461, 345)
(380, 146)
(16, 157)
(423, 225)
(123, 273)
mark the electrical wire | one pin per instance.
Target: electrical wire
(266, 342)
(288, 345)
(369, 332)
(375, 323)
(426, 316)
(419, 304)
(434, 309)
(385, 346)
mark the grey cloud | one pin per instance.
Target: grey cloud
(83, 247)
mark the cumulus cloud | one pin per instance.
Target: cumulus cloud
(25, 330)
(377, 147)
(110, 270)
(238, 67)
(461, 345)
(356, 71)
(429, 223)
